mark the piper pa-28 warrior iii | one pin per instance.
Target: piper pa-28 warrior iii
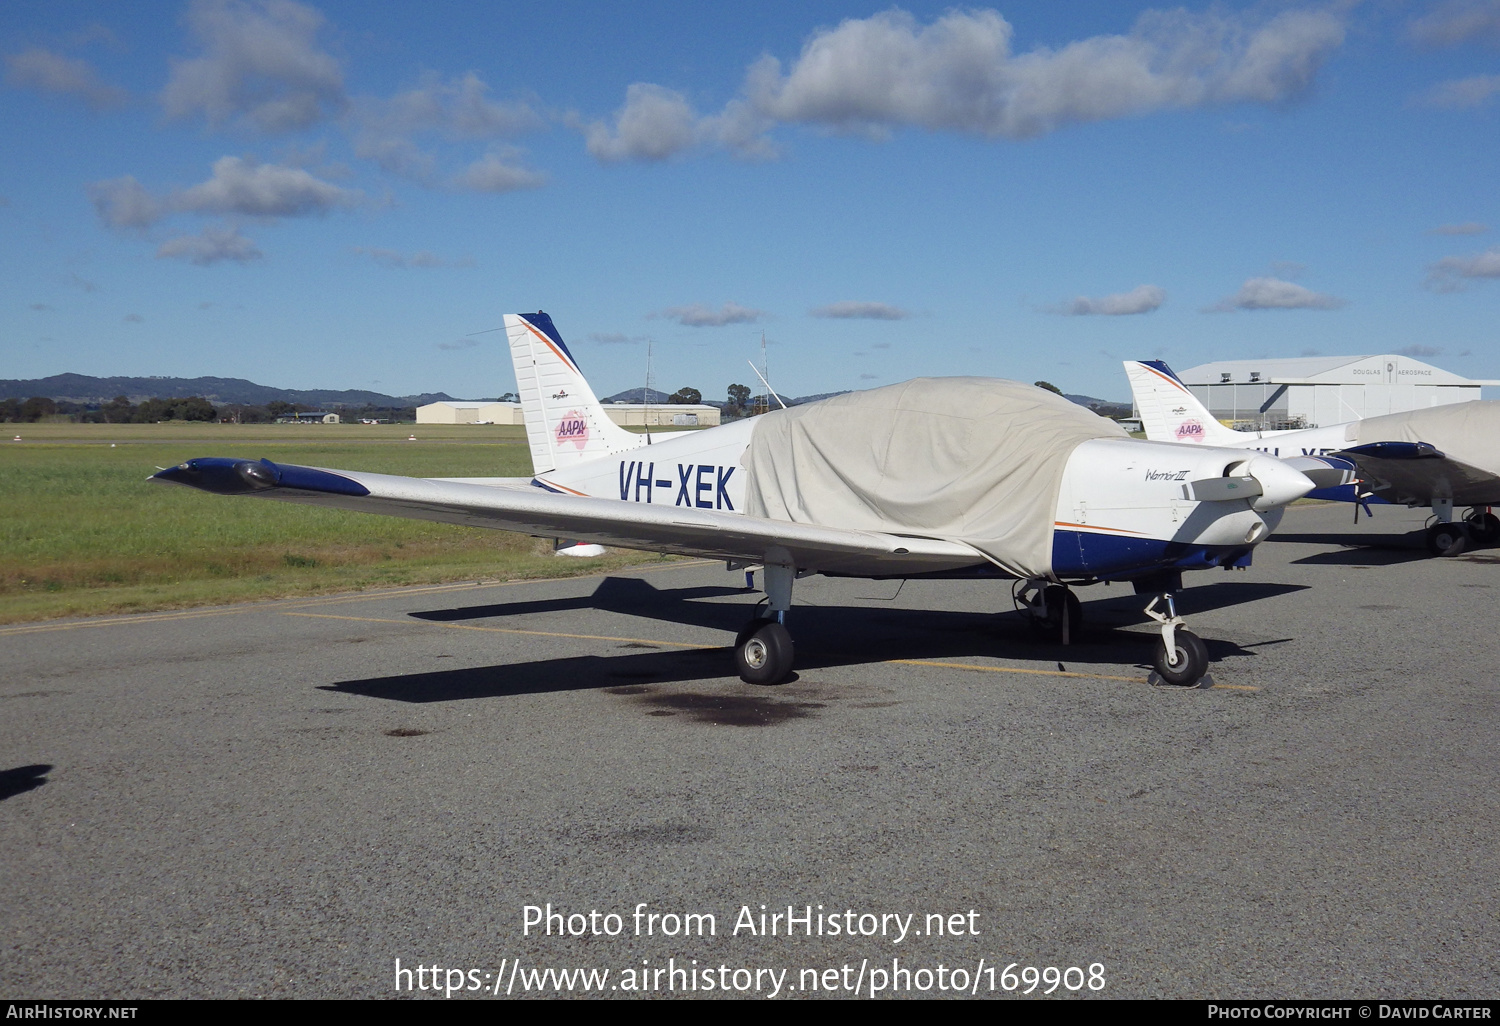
(1442, 457)
(934, 477)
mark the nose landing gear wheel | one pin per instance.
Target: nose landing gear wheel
(1186, 664)
(763, 652)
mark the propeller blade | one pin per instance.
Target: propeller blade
(1220, 489)
(1267, 481)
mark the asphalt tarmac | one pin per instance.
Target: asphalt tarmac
(283, 799)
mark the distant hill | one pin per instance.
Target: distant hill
(1103, 407)
(81, 388)
(642, 395)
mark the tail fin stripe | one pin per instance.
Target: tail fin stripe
(548, 342)
(1169, 380)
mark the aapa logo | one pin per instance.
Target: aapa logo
(573, 427)
(1190, 431)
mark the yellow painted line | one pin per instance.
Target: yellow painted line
(250, 607)
(1047, 673)
(1013, 669)
(503, 630)
(143, 618)
(334, 600)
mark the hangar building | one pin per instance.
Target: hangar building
(662, 414)
(624, 414)
(1316, 391)
(469, 413)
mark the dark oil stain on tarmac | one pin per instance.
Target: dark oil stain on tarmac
(733, 710)
(716, 710)
(638, 644)
(37, 694)
(1480, 559)
(1475, 586)
(405, 732)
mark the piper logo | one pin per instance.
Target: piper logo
(572, 428)
(1190, 431)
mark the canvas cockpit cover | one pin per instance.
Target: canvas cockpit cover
(1467, 432)
(977, 460)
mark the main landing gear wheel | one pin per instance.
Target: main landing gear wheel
(1483, 526)
(1447, 539)
(1186, 664)
(1061, 602)
(763, 652)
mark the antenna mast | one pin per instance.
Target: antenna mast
(646, 394)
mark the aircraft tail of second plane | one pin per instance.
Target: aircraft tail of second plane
(1170, 412)
(565, 423)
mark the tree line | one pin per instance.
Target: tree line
(120, 410)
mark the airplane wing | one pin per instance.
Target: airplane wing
(535, 511)
(1415, 473)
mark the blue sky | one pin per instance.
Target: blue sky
(340, 195)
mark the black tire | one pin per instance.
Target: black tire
(1061, 602)
(765, 655)
(1447, 539)
(1484, 528)
(1189, 659)
(750, 628)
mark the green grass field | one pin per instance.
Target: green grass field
(84, 533)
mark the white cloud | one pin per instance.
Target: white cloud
(1450, 273)
(213, 244)
(240, 186)
(125, 203)
(260, 63)
(700, 316)
(491, 173)
(655, 123)
(850, 310)
(459, 108)
(958, 73)
(1466, 228)
(1275, 294)
(1458, 21)
(1139, 300)
(52, 73)
(421, 258)
(456, 109)
(1460, 92)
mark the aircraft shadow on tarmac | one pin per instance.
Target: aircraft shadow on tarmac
(1361, 549)
(22, 779)
(827, 636)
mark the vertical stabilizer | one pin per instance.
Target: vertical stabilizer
(565, 422)
(1171, 413)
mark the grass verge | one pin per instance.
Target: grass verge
(83, 532)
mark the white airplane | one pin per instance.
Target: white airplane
(935, 477)
(1442, 457)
